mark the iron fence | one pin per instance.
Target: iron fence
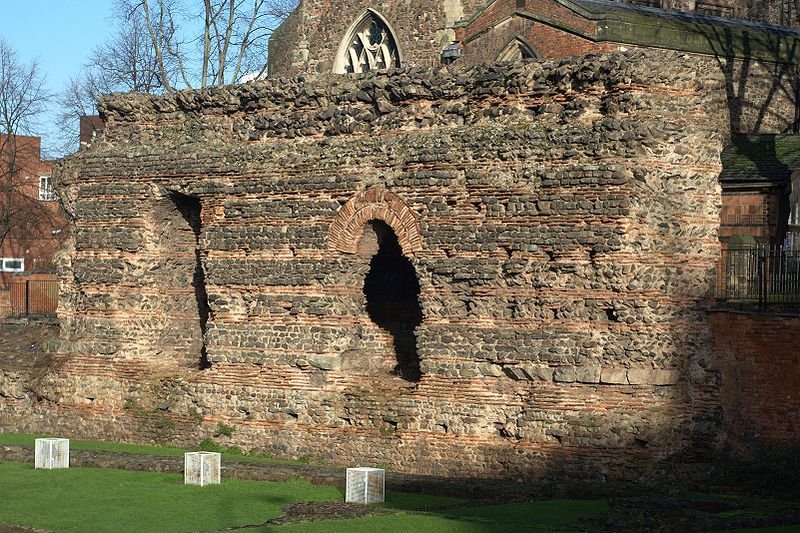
(34, 297)
(759, 275)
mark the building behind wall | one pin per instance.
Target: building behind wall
(36, 224)
(319, 37)
(756, 183)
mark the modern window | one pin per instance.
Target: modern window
(12, 264)
(46, 192)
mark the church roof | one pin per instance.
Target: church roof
(691, 32)
(609, 8)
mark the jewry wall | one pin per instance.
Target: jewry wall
(497, 271)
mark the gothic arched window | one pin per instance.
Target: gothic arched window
(517, 49)
(370, 44)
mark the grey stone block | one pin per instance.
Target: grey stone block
(564, 374)
(613, 376)
(587, 374)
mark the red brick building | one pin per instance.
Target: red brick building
(32, 224)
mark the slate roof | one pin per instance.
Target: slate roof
(690, 32)
(610, 8)
(760, 159)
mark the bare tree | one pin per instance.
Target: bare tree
(231, 41)
(23, 97)
(783, 12)
(164, 45)
(125, 62)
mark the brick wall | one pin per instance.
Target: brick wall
(38, 228)
(548, 10)
(759, 365)
(753, 213)
(547, 41)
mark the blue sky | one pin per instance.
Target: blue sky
(61, 33)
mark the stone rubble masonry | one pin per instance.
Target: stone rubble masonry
(561, 218)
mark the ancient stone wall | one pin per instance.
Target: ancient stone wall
(496, 271)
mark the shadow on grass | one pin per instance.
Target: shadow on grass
(395, 516)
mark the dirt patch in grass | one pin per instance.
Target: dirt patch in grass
(311, 511)
(315, 511)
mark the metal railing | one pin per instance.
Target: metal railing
(34, 297)
(759, 275)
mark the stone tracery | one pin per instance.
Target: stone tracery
(369, 45)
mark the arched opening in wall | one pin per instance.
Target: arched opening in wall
(517, 49)
(369, 44)
(392, 291)
(189, 208)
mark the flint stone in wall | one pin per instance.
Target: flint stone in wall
(517, 373)
(541, 373)
(13, 385)
(325, 362)
(490, 370)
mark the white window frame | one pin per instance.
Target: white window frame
(4, 267)
(46, 192)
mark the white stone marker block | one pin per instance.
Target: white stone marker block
(365, 485)
(201, 468)
(51, 453)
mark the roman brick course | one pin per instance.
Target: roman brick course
(561, 219)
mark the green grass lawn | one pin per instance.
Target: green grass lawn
(97, 500)
(100, 500)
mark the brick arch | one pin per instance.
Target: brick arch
(375, 204)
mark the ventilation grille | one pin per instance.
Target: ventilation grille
(201, 468)
(51, 453)
(365, 485)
